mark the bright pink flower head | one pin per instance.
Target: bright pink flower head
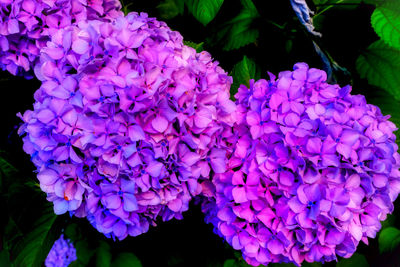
(26, 26)
(126, 122)
(311, 173)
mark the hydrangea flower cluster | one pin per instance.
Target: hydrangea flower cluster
(312, 171)
(129, 125)
(61, 254)
(126, 121)
(26, 26)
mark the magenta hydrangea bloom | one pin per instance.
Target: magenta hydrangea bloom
(126, 122)
(26, 26)
(61, 254)
(312, 171)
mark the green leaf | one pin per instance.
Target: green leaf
(380, 65)
(204, 10)
(169, 9)
(389, 239)
(11, 234)
(126, 259)
(288, 46)
(230, 263)
(314, 264)
(5, 258)
(83, 252)
(197, 46)
(345, 2)
(390, 219)
(248, 4)
(31, 229)
(237, 263)
(6, 169)
(238, 32)
(73, 232)
(336, 2)
(388, 106)
(240, 262)
(281, 265)
(325, 5)
(103, 255)
(77, 263)
(386, 22)
(242, 72)
(349, 5)
(32, 249)
(125, 7)
(355, 260)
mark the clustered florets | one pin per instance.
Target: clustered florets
(61, 254)
(130, 124)
(26, 26)
(312, 171)
(125, 139)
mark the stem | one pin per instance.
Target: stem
(281, 27)
(338, 4)
(329, 6)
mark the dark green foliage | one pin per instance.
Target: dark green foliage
(31, 229)
(5, 259)
(235, 263)
(204, 10)
(388, 106)
(126, 259)
(390, 221)
(170, 8)
(198, 47)
(389, 239)
(32, 249)
(386, 23)
(242, 72)
(239, 31)
(357, 260)
(380, 64)
(103, 255)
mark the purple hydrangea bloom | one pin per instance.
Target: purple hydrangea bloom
(126, 122)
(61, 254)
(26, 26)
(312, 171)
